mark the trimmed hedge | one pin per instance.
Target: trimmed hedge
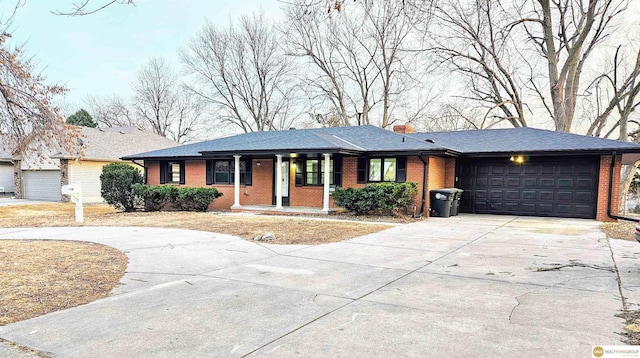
(163, 197)
(116, 181)
(382, 197)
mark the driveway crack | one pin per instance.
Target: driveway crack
(516, 306)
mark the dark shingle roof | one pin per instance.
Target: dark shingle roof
(369, 139)
(333, 140)
(509, 140)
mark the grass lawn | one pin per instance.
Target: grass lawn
(39, 277)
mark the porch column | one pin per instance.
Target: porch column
(278, 182)
(236, 182)
(327, 182)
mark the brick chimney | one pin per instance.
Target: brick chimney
(403, 129)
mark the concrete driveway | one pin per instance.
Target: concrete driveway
(458, 287)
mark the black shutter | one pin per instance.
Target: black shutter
(401, 169)
(182, 170)
(362, 170)
(248, 164)
(337, 171)
(299, 172)
(163, 171)
(209, 173)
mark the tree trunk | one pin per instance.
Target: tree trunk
(627, 174)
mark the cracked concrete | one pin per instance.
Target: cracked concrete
(463, 286)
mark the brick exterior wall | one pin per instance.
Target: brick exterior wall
(441, 174)
(437, 178)
(153, 172)
(350, 173)
(603, 188)
(261, 192)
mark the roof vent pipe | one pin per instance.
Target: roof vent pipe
(428, 140)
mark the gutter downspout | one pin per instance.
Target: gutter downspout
(138, 164)
(425, 173)
(611, 167)
(143, 167)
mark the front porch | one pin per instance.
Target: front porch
(285, 210)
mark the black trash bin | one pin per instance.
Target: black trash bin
(455, 205)
(441, 200)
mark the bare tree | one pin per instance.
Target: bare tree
(468, 38)
(26, 109)
(243, 73)
(88, 7)
(392, 29)
(310, 34)
(363, 58)
(565, 33)
(113, 112)
(547, 45)
(617, 95)
(161, 102)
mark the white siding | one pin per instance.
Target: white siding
(6, 177)
(42, 184)
(87, 174)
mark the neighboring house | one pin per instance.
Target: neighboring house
(520, 171)
(42, 177)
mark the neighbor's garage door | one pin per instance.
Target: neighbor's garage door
(539, 187)
(41, 184)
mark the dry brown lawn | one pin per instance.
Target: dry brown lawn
(39, 277)
(288, 230)
(623, 230)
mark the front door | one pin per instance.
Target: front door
(285, 182)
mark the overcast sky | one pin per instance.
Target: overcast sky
(99, 54)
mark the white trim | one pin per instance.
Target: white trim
(279, 181)
(236, 183)
(327, 181)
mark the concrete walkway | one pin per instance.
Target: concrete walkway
(13, 201)
(458, 287)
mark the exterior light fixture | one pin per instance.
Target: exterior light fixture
(518, 159)
(258, 163)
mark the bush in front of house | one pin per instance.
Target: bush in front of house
(154, 197)
(116, 182)
(381, 197)
(196, 199)
(166, 197)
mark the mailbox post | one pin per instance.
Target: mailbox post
(75, 193)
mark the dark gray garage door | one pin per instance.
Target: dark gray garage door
(542, 186)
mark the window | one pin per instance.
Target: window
(314, 170)
(390, 169)
(382, 169)
(310, 171)
(172, 172)
(223, 172)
